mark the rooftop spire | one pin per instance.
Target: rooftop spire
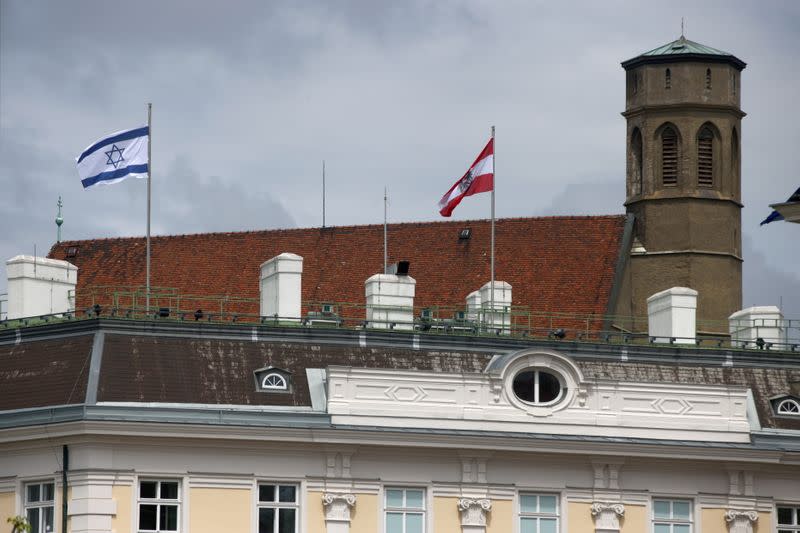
(59, 218)
(682, 35)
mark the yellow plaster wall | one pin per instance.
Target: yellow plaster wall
(216, 510)
(635, 520)
(364, 517)
(764, 524)
(121, 522)
(6, 507)
(579, 517)
(315, 513)
(501, 519)
(446, 517)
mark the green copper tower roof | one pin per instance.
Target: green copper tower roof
(683, 49)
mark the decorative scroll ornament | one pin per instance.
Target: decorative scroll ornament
(740, 521)
(473, 512)
(337, 506)
(606, 516)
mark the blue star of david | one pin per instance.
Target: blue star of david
(114, 156)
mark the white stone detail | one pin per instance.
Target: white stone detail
(497, 313)
(281, 283)
(40, 286)
(606, 516)
(473, 513)
(764, 322)
(473, 306)
(740, 521)
(390, 301)
(338, 506)
(671, 314)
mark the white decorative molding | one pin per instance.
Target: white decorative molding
(337, 506)
(473, 513)
(740, 521)
(606, 516)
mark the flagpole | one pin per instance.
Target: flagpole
(494, 183)
(385, 238)
(149, 181)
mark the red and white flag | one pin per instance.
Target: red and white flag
(479, 178)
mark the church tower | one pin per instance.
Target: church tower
(683, 179)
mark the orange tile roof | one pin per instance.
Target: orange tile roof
(554, 264)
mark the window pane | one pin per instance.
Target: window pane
(266, 521)
(169, 518)
(394, 498)
(48, 492)
(680, 510)
(547, 504)
(147, 517)
(785, 515)
(528, 525)
(148, 489)
(169, 490)
(47, 519)
(266, 493)
(413, 523)
(394, 522)
(33, 518)
(549, 387)
(547, 525)
(662, 528)
(286, 520)
(33, 493)
(527, 503)
(414, 499)
(661, 509)
(680, 528)
(286, 493)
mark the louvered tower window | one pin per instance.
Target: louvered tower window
(668, 79)
(708, 78)
(705, 158)
(669, 157)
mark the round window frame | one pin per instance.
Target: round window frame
(787, 401)
(562, 391)
(284, 387)
(569, 375)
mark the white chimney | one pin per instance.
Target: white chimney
(749, 325)
(672, 314)
(281, 285)
(40, 286)
(497, 313)
(390, 301)
(474, 306)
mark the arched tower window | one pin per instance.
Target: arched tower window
(708, 78)
(735, 155)
(636, 162)
(669, 156)
(668, 79)
(705, 157)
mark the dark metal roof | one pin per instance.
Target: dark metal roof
(683, 49)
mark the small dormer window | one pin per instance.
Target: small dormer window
(274, 381)
(271, 379)
(788, 406)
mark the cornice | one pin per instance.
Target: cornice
(688, 106)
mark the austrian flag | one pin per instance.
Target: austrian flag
(479, 178)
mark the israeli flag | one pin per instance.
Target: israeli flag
(116, 157)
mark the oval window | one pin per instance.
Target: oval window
(538, 387)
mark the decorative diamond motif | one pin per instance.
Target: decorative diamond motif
(406, 393)
(672, 406)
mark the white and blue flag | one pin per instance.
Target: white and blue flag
(115, 157)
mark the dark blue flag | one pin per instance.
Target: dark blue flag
(777, 216)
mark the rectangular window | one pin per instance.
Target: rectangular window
(538, 513)
(278, 508)
(672, 516)
(39, 504)
(159, 505)
(788, 519)
(405, 510)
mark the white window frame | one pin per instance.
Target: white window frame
(671, 522)
(405, 510)
(788, 401)
(538, 515)
(283, 380)
(278, 505)
(562, 388)
(792, 528)
(158, 501)
(41, 504)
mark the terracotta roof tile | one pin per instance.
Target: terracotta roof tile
(563, 264)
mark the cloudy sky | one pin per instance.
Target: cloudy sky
(250, 97)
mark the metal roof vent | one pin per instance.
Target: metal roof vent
(72, 251)
(465, 234)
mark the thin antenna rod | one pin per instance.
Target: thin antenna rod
(323, 193)
(494, 185)
(34, 260)
(681, 26)
(149, 181)
(385, 237)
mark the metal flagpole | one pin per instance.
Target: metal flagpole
(385, 238)
(149, 180)
(323, 193)
(494, 182)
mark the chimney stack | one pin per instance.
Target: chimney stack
(40, 286)
(281, 286)
(749, 325)
(672, 314)
(390, 301)
(497, 313)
